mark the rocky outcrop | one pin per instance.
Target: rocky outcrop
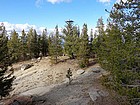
(80, 71)
(95, 93)
(19, 100)
(96, 70)
(26, 66)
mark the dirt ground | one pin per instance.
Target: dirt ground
(48, 85)
(42, 73)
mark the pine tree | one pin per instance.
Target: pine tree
(119, 51)
(5, 79)
(71, 38)
(55, 47)
(91, 47)
(69, 75)
(76, 39)
(29, 42)
(23, 47)
(99, 38)
(32, 43)
(14, 46)
(44, 43)
(83, 55)
(35, 44)
(100, 27)
(100, 31)
(126, 16)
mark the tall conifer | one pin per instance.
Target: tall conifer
(23, 47)
(55, 46)
(5, 78)
(32, 43)
(14, 46)
(119, 51)
(83, 55)
(44, 43)
(71, 35)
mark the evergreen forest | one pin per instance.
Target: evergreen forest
(116, 47)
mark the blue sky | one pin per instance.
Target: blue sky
(39, 14)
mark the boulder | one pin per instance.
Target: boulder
(19, 100)
(26, 66)
(103, 93)
(94, 94)
(79, 72)
(34, 60)
(10, 68)
(96, 70)
(39, 58)
(1, 103)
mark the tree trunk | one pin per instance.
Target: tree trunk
(72, 56)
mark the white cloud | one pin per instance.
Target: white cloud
(120, 0)
(58, 1)
(19, 27)
(38, 3)
(104, 1)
